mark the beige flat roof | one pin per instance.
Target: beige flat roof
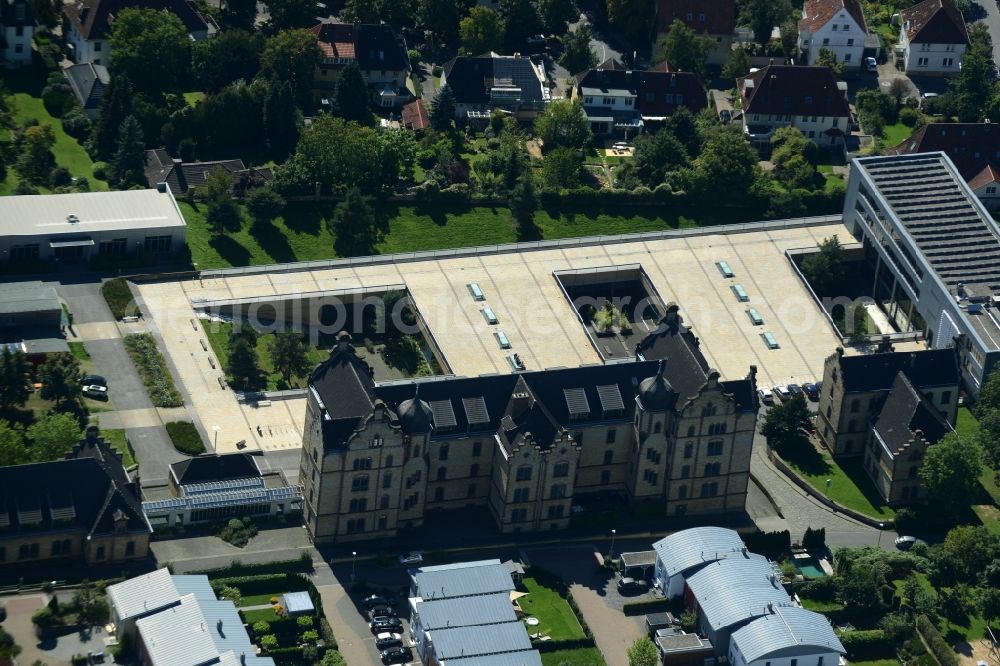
(520, 288)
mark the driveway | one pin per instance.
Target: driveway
(992, 23)
(210, 552)
(53, 650)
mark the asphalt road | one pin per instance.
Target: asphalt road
(992, 23)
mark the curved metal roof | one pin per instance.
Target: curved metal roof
(733, 590)
(689, 548)
(787, 631)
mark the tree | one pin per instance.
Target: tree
(656, 155)
(289, 354)
(239, 14)
(827, 58)
(352, 95)
(789, 32)
(52, 436)
(524, 202)
(47, 12)
(443, 109)
(763, 15)
(281, 120)
(563, 123)
(91, 606)
(151, 48)
(36, 160)
(355, 223)
(222, 213)
(643, 653)
(824, 269)
(970, 550)
(555, 14)
(737, 65)
(481, 31)
(12, 449)
(950, 472)
(685, 49)
(577, 55)
(244, 366)
(440, 17)
(230, 56)
(728, 162)
(561, 169)
(400, 149)
(520, 18)
(988, 412)
(116, 105)
(60, 378)
(683, 125)
(336, 155)
(860, 586)
(631, 17)
(973, 87)
(129, 159)
(13, 379)
(264, 204)
(790, 154)
(289, 14)
(291, 56)
(8, 647)
(785, 424)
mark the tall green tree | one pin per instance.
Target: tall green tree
(556, 14)
(232, 118)
(524, 202)
(685, 49)
(683, 125)
(116, 106)
(791, 154)
(90, 604)
(763, 15)
(481, 31)
(988, 413)
(152, 49)
(825, 269)
(12, 449)
(281, 120)
(264, 204)
(35, 159)
(973, 87)
(443, 109)
(563, 123)
(737, 65)
(950, 473)
(129, 159)
(520, 19)
(60, 377)
(827, 58)
(337, 155)
(230, 56)
(727, 161)
(632, 18)
(52, 436)
(289, 354)
(291, 56)
(244, 365)
(356, 223)
(643, 653)
(352, 95)
(970, 549)
(577, 55)
(13, 379)
(658, 154)
(239, 14)
(440, 17)
(786, 424)
(291, 14)
(47, 12)
(222, 213)
(561, 169)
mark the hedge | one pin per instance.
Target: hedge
(236, 568)
(119, 298)
(647, 606)
(866, 645)
(772, 544)
(286, 655)
(152, 368)
(572, 644)
(185, 438)
(938, 645)
(264, 584)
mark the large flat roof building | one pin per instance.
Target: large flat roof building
(935, 252)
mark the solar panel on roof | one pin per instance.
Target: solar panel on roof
(576, 402)
(475, 411)
(611, 398)
(444, 414)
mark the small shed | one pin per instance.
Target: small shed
(298, 603)
(657, 621)
(516, 570)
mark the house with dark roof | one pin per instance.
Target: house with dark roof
(32, 320)
(856, 388)
(487, 82)
(377, 457)
(181, 176)
(932, 39)
(620, 102)
(974, 149)
(88, 81)
(715, 18)
(837, 25)
(84, 508)
(87, 24)
(809, 98)
(907, 424)
(379, 51)
(17, 28)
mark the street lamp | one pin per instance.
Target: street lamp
(828, 482)
(881, 526)
(216, 429)
(612, 553)
(354, 562)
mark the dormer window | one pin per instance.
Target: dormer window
(835, 27)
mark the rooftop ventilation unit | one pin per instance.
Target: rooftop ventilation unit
(72, 219)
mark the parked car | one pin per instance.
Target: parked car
(811, 391)
(871, 65)
(94, 380)
(537, 40)
(374, 600)
(782, 392)
(766, 395)
(795, 389)
(620, 145)
(631, 585)
(411, 558)
(905, 542)
(396, 655)
(383, 624)
(381, 611)
(387, 640)
(96, 391)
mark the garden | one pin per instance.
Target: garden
(152, 367)
(185, 437)
(559, 633)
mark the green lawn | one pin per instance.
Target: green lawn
(849, 485)
(896, 134)
(79, 351)
(989, 514)
(116, 438)
(578, 657)
(258, 599)
(302, 234)
(821, 606)
(266, 614)
(193, 98)
(555, 617)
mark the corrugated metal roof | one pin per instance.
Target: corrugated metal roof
(178, 636)
(466, 611)
(96, 211)
(28, 297)
(298, 602)
(143, 594)
(790, 631)
(526, 658)
(474, 642)
(688, 548)
(197, 585)
(461, 580)
(733, 590)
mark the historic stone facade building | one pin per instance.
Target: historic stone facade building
(663, 426)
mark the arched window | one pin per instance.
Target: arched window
(656, 427)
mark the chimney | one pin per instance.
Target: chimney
(343, 341)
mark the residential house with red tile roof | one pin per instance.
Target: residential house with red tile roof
(932, 38)
(809, 98)
(379, 51)
(415, 117)
(715, 18)
(837, 25)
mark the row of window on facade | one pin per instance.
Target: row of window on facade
(58, 548)
(669, 98)
(945, 62)
(114, 247)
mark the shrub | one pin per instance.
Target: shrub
(76, 124)
(269, 641)
(24, 187)
(152, 368)
(101, 170)
(909, 117)
(273, 600)
(304, 621)
(185, 438)
(415, 58)
(310, 636)
(233, 594)
(261, 628)
(436, 70)
(60, 176)
(119, 298)
(644, 607)
(866, 645)
(942, 651)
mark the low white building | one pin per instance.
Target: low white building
(72, 228)
(932, 39)
(837, 25)
(786, 637)
(17, 28)
(683, 553)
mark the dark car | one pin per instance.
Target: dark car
(632, 586)
(375, 600)
(811, 391)
(381, 611)
(94, 380)
(795, 390)
(382, 624)
(396, 655)
(387, 640)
